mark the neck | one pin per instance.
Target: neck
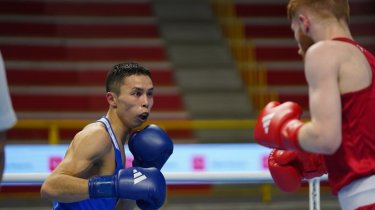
(329, 29)
(121, 131)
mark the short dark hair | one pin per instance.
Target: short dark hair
(118, 72)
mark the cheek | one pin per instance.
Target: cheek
(125, 104)
(151, 103)
(296, 35)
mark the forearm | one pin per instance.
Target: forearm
(319, 139)
(65, 188)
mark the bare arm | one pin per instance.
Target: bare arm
(64, 185)
(68, 182)
(323, 133)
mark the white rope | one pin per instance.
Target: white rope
(219, 177)
(179, 177)
(21, 178)
(189, 177)
(212, 177)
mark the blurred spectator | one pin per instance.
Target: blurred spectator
(7, 115)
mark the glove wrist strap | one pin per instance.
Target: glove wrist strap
(290, 135)
(102, 187)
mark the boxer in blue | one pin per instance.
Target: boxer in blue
(92, 174)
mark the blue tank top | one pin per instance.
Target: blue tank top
(101, 203)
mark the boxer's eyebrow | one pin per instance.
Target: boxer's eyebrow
(142, 89)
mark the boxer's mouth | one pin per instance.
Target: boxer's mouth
(143, 116)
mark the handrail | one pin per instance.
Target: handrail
(54, 125)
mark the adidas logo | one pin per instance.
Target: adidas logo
(138, 176)
(266, 120)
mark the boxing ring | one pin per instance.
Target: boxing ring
(187, 178)
(189, 164)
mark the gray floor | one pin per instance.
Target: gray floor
(287, 205)
(232, 197)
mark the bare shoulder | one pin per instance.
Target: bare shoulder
(322, 49)
(329, 50)
(92, 140)
(324, 57)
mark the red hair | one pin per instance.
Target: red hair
(324, 8)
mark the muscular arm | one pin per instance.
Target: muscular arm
(323, 133)
(68, 182)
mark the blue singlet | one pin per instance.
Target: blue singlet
(102, 203)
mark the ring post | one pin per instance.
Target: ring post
(314, 189)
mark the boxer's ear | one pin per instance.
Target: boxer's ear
(112, 99)
(304, 23)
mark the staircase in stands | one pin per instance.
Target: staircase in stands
(264, 26)
(57, 54)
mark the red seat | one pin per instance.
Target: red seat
(69, 8)
(33, 52)
(276, 53)
(83, 77)
(81, 102)
(284, 77)
(79, 30)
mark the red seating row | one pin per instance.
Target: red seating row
(79, 30)
(68, 8)
(267, 31)
(35, 52)
(71, 77)
(283, 30)
(51, 49)
(277, 53)
(80, 102)
(279, 8)
(282, 77)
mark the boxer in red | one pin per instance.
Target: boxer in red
(339, 139)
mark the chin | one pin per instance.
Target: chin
(138, 123)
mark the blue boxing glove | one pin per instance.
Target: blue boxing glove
(145, 185)
(151, 147)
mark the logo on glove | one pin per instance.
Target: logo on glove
(266, 120)
(138, 176)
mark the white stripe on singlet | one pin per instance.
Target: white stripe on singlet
(108, 126)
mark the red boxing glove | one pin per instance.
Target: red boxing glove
(310, 165)
(288, 168)
(286, 177)
(278, 126)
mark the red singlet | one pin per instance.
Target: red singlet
(356, 156)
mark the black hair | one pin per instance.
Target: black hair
(118, 72)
